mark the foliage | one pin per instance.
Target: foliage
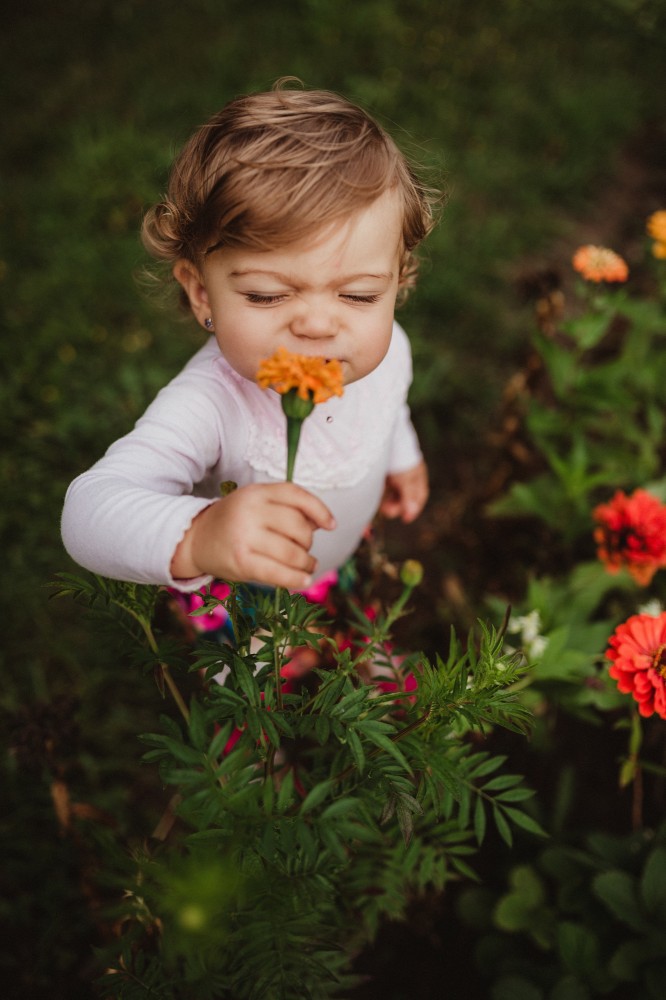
(333, 805)
(599, 424)
(586, 918)
(593, 421)
(578, 922)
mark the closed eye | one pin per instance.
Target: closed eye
(264, 300)
(359, 298)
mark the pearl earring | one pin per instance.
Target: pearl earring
(208, 323)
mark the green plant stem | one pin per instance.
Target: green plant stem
(233, 607)
(277, 654)
(175, 693)
(164, 667)
(166, 672)
(293, 436)
(394, 738)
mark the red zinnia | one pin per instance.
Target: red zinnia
(637, 650)
(631, 532)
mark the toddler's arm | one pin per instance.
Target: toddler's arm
(405, 493)
(260, 533)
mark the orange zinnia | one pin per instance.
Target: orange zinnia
(637, 650)
(313, 378)
(656, 227)
(600, 264)
(631, 533)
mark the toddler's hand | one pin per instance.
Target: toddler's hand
(258, 534)
(405, 493)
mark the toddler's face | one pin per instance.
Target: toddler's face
(331, 295)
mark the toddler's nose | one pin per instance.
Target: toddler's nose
(314, 323)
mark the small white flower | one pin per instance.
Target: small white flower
(538, 647)
(652, 607)
(529, 626)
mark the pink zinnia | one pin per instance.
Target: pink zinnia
(319, 591)
(637, 650)
(213, 619)
(404, 684)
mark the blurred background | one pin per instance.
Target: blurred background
(544, 124)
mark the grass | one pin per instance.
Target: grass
(518, 110)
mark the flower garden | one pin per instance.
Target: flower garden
(441, 771)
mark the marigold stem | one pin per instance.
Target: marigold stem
(277, 652)
(293, 436)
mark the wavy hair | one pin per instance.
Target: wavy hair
(274, 167)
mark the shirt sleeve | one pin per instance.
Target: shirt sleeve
(125, 516)
(405, 449)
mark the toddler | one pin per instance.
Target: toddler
(290, 221)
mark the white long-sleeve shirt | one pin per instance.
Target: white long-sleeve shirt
(125, 516)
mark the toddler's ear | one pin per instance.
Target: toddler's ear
(187, 275)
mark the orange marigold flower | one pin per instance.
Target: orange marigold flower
(637, 651)
(631, 532)
(659, 250)
(313, 378)
(656, 226)
(600, 264)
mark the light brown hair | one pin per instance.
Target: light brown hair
(272, 168)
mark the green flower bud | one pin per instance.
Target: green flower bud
(192, 917)
(295, 407)
(411, 573)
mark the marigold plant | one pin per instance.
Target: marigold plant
(600, 264)
(631, 533)
(637, 650)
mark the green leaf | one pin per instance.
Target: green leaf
(653, 882)
(525, 821)
(356, 748)
(246, 682)
(479, 820)
(588, 330)
(384, 743)
(316, 795)
(486, 766)
(503, 827)
(579, 948)
(219, 741)
(286, 793)
(464, 806)
(322, 729)
(197, 725)
(513, 913)
(619, 892)
(342, 807)
(501, 782)
(516, 795)
(465, 870)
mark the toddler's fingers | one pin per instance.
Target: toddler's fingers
(271, 573)
(311, 506)
(283, 550)
(391, 506)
